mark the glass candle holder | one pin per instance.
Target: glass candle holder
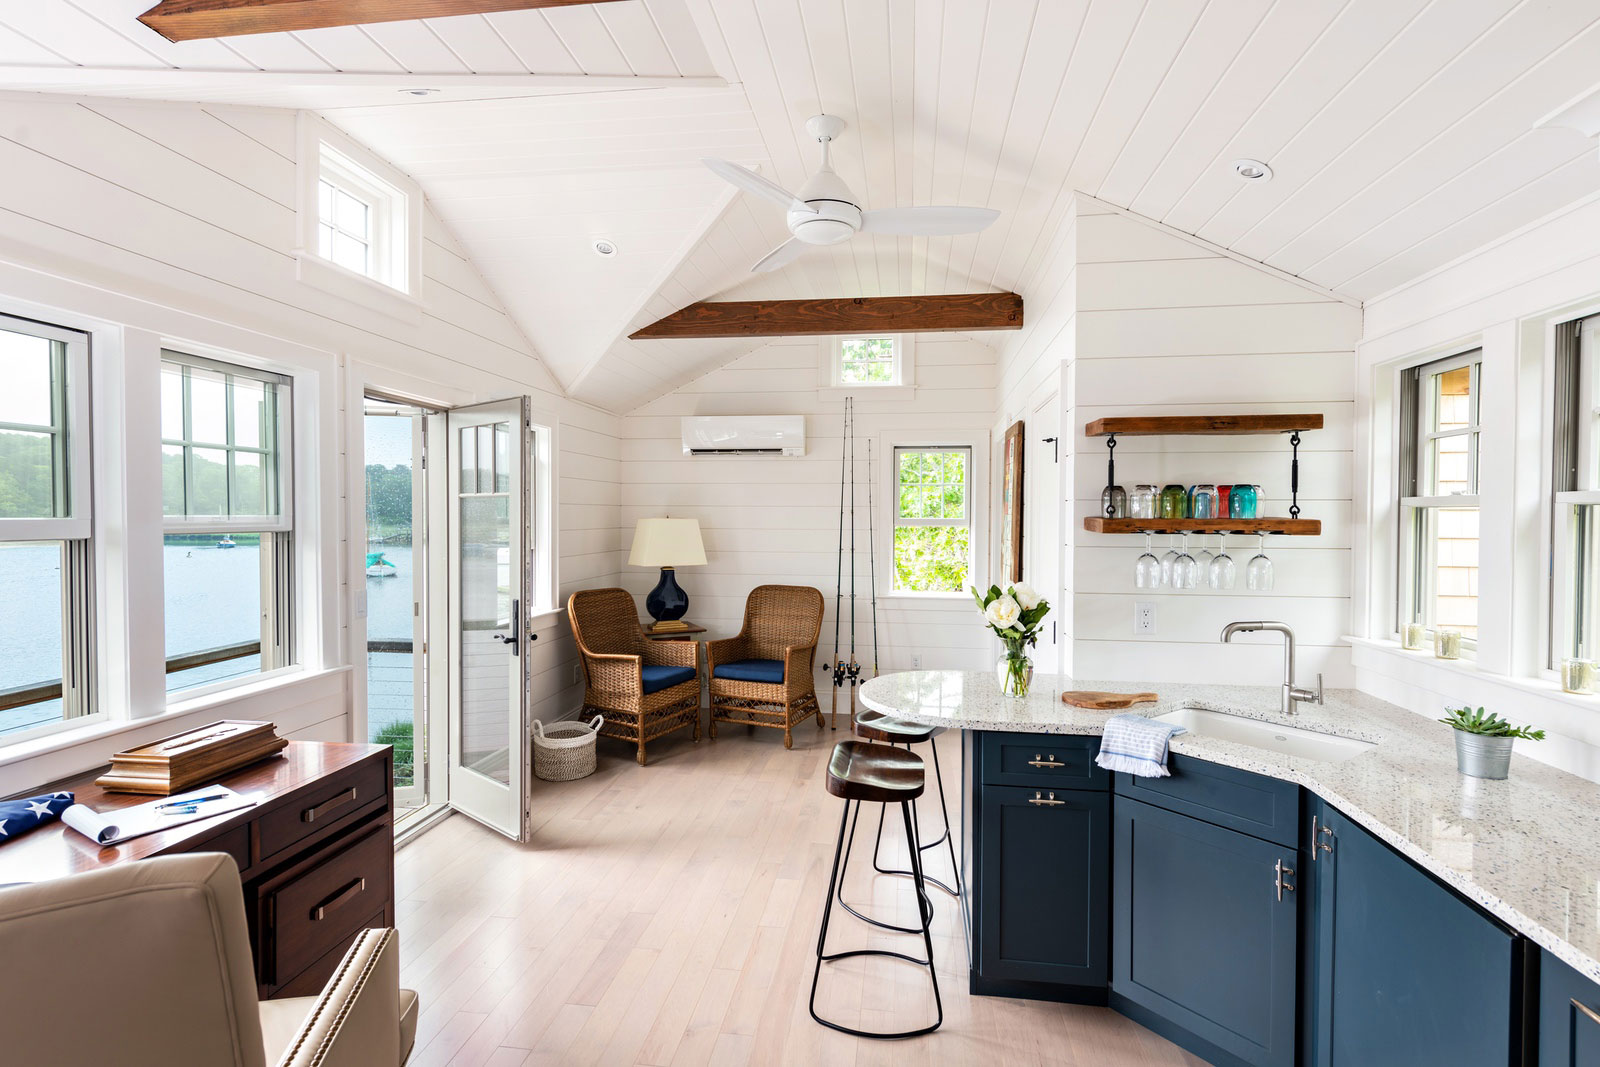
(1114, 502)
(1578, 675)
(1447, 644)
(1412, 635)
(1174, 502)
(1142, 502)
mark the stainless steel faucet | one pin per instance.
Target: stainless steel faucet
(1292, 694)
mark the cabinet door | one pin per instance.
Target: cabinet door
(1569, 1016)
(1044, 868)
(1406, 971)
(1204, 939)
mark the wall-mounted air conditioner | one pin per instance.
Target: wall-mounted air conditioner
(744, 435)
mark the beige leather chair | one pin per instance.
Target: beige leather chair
(148, 965)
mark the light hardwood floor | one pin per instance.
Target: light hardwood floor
(668, 915)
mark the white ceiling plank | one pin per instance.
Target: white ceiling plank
(415, 47)
(122, 17)
(84, 40)
(638, 37)
(537, 46)
(590, 42)
(682, 38)
(476, 44)
(17, 50)
(276, 51)
(349, 48)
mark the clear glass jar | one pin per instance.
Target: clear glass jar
(1114, 502)
(1203, 502)
(1142, 502)
(1174, 502)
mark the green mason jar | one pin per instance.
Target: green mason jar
(1174, 502)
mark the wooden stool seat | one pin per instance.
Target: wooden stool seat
(876, 726)
(874, 773)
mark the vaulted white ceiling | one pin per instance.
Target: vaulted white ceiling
(1402, 134)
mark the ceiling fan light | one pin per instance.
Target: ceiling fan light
(823, 231)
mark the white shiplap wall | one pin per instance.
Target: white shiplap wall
(188, 210)
(777, 519)
(1166, 325)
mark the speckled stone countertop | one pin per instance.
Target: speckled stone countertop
(1527, 849)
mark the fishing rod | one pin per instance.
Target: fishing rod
(854, 669)
(872, 561)
(838, 594)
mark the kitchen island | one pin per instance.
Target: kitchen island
(1262, 863)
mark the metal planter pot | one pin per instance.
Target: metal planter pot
(1483, 757)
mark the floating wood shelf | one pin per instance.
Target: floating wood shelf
(1289, 527)
(1202, 424)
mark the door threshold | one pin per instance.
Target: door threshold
(417, 821)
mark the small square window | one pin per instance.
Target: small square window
(881, 361)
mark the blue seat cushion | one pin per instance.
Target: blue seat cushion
(657, 678)
(769, 671)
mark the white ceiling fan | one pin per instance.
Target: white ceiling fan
(825, 212)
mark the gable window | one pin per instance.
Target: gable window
(880, 361)
(225, 501)
(344, 227)
(1439, 494)
(1575, 575)
(46, 601)
(932, 520)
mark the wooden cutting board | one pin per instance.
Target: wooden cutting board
(1096, 701)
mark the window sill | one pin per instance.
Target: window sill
(338, 281)
(1542, 687)
(62, 740)
(893, 393)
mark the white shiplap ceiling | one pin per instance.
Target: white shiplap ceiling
(1402, 134)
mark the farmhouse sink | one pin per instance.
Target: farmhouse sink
(1289, 740)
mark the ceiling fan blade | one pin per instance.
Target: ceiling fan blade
(751, 182)
(927, 221)
(781, 256)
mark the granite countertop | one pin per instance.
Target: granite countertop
(1527, 849)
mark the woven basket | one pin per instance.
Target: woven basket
(564, 751)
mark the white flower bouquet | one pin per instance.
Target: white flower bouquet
(1015, 615)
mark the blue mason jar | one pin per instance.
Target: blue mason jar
(1242, 504)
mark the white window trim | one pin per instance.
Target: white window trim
(1560, 596)
(77, 524)
(402, 299)
(903, 386)
(977, 501)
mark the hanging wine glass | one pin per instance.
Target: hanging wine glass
(1147, 569)
(1185, 571)
(1168, 558)
(1222, 572)
(1258, 572)
(1203, 558)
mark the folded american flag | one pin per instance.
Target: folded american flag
(20, 816)
(1134, 744)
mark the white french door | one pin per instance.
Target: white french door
(1044, 541)
(488, 597)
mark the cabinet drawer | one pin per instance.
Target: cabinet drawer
(1223, 796)
(317, 911)
(329, 801)
(1057, 761)
(309, 982)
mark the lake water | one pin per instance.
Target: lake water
(213, 599)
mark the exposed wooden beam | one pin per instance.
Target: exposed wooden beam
(862, 314)
(193, 20)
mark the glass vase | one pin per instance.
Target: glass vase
(1014, 671)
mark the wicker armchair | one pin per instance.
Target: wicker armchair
(763, 676)
(639, 686)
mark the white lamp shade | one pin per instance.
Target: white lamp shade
(667, 543)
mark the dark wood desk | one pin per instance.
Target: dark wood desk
(316, 854)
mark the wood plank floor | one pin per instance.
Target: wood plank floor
(668, 915)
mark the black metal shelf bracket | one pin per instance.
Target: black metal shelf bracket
(1111, 472)
(1294, 475)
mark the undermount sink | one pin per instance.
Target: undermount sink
(1289, 740)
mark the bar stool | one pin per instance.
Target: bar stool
(879, 774)
(876, 726)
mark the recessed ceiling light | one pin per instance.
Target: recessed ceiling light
(1252, 170)
(419, 92)
(604, 248)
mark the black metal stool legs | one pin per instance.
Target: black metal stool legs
(942, 839)
(925, 906)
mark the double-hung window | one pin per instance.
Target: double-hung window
(227, 553)
(1575, 526)
(932, 520)
(878, 361)
(46, 595)
(1439, 494)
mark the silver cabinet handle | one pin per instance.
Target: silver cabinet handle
(1045, 761)
(1317, 844)
(1045, 802)
(1281, 870)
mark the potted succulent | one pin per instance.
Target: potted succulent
(1483, 741)
(1015, 615)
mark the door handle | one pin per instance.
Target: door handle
(1044, 801)
(516, 629)
(1281, 870)
(1317, 844)
(1040, 761)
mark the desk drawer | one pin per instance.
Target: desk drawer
(1251, 803)
(329, 801)
(1057, 761)
(317, 911)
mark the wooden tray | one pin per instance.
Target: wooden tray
(195, 757)
(1095, 700)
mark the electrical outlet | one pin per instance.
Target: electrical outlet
(916, 663)
(1144, 618)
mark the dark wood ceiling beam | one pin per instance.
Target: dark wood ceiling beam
(849, 315)
(193, 20)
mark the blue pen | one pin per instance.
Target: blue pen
(181, 811)
(191, 801)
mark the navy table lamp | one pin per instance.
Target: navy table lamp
(667, 543)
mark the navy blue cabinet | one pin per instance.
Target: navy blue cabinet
(1405, 971)
(1569, 1016)
(1204, 935)
(1039, 863)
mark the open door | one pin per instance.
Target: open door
(1044, 541)
(488, 497)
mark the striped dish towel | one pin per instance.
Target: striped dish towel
(1136, 745)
